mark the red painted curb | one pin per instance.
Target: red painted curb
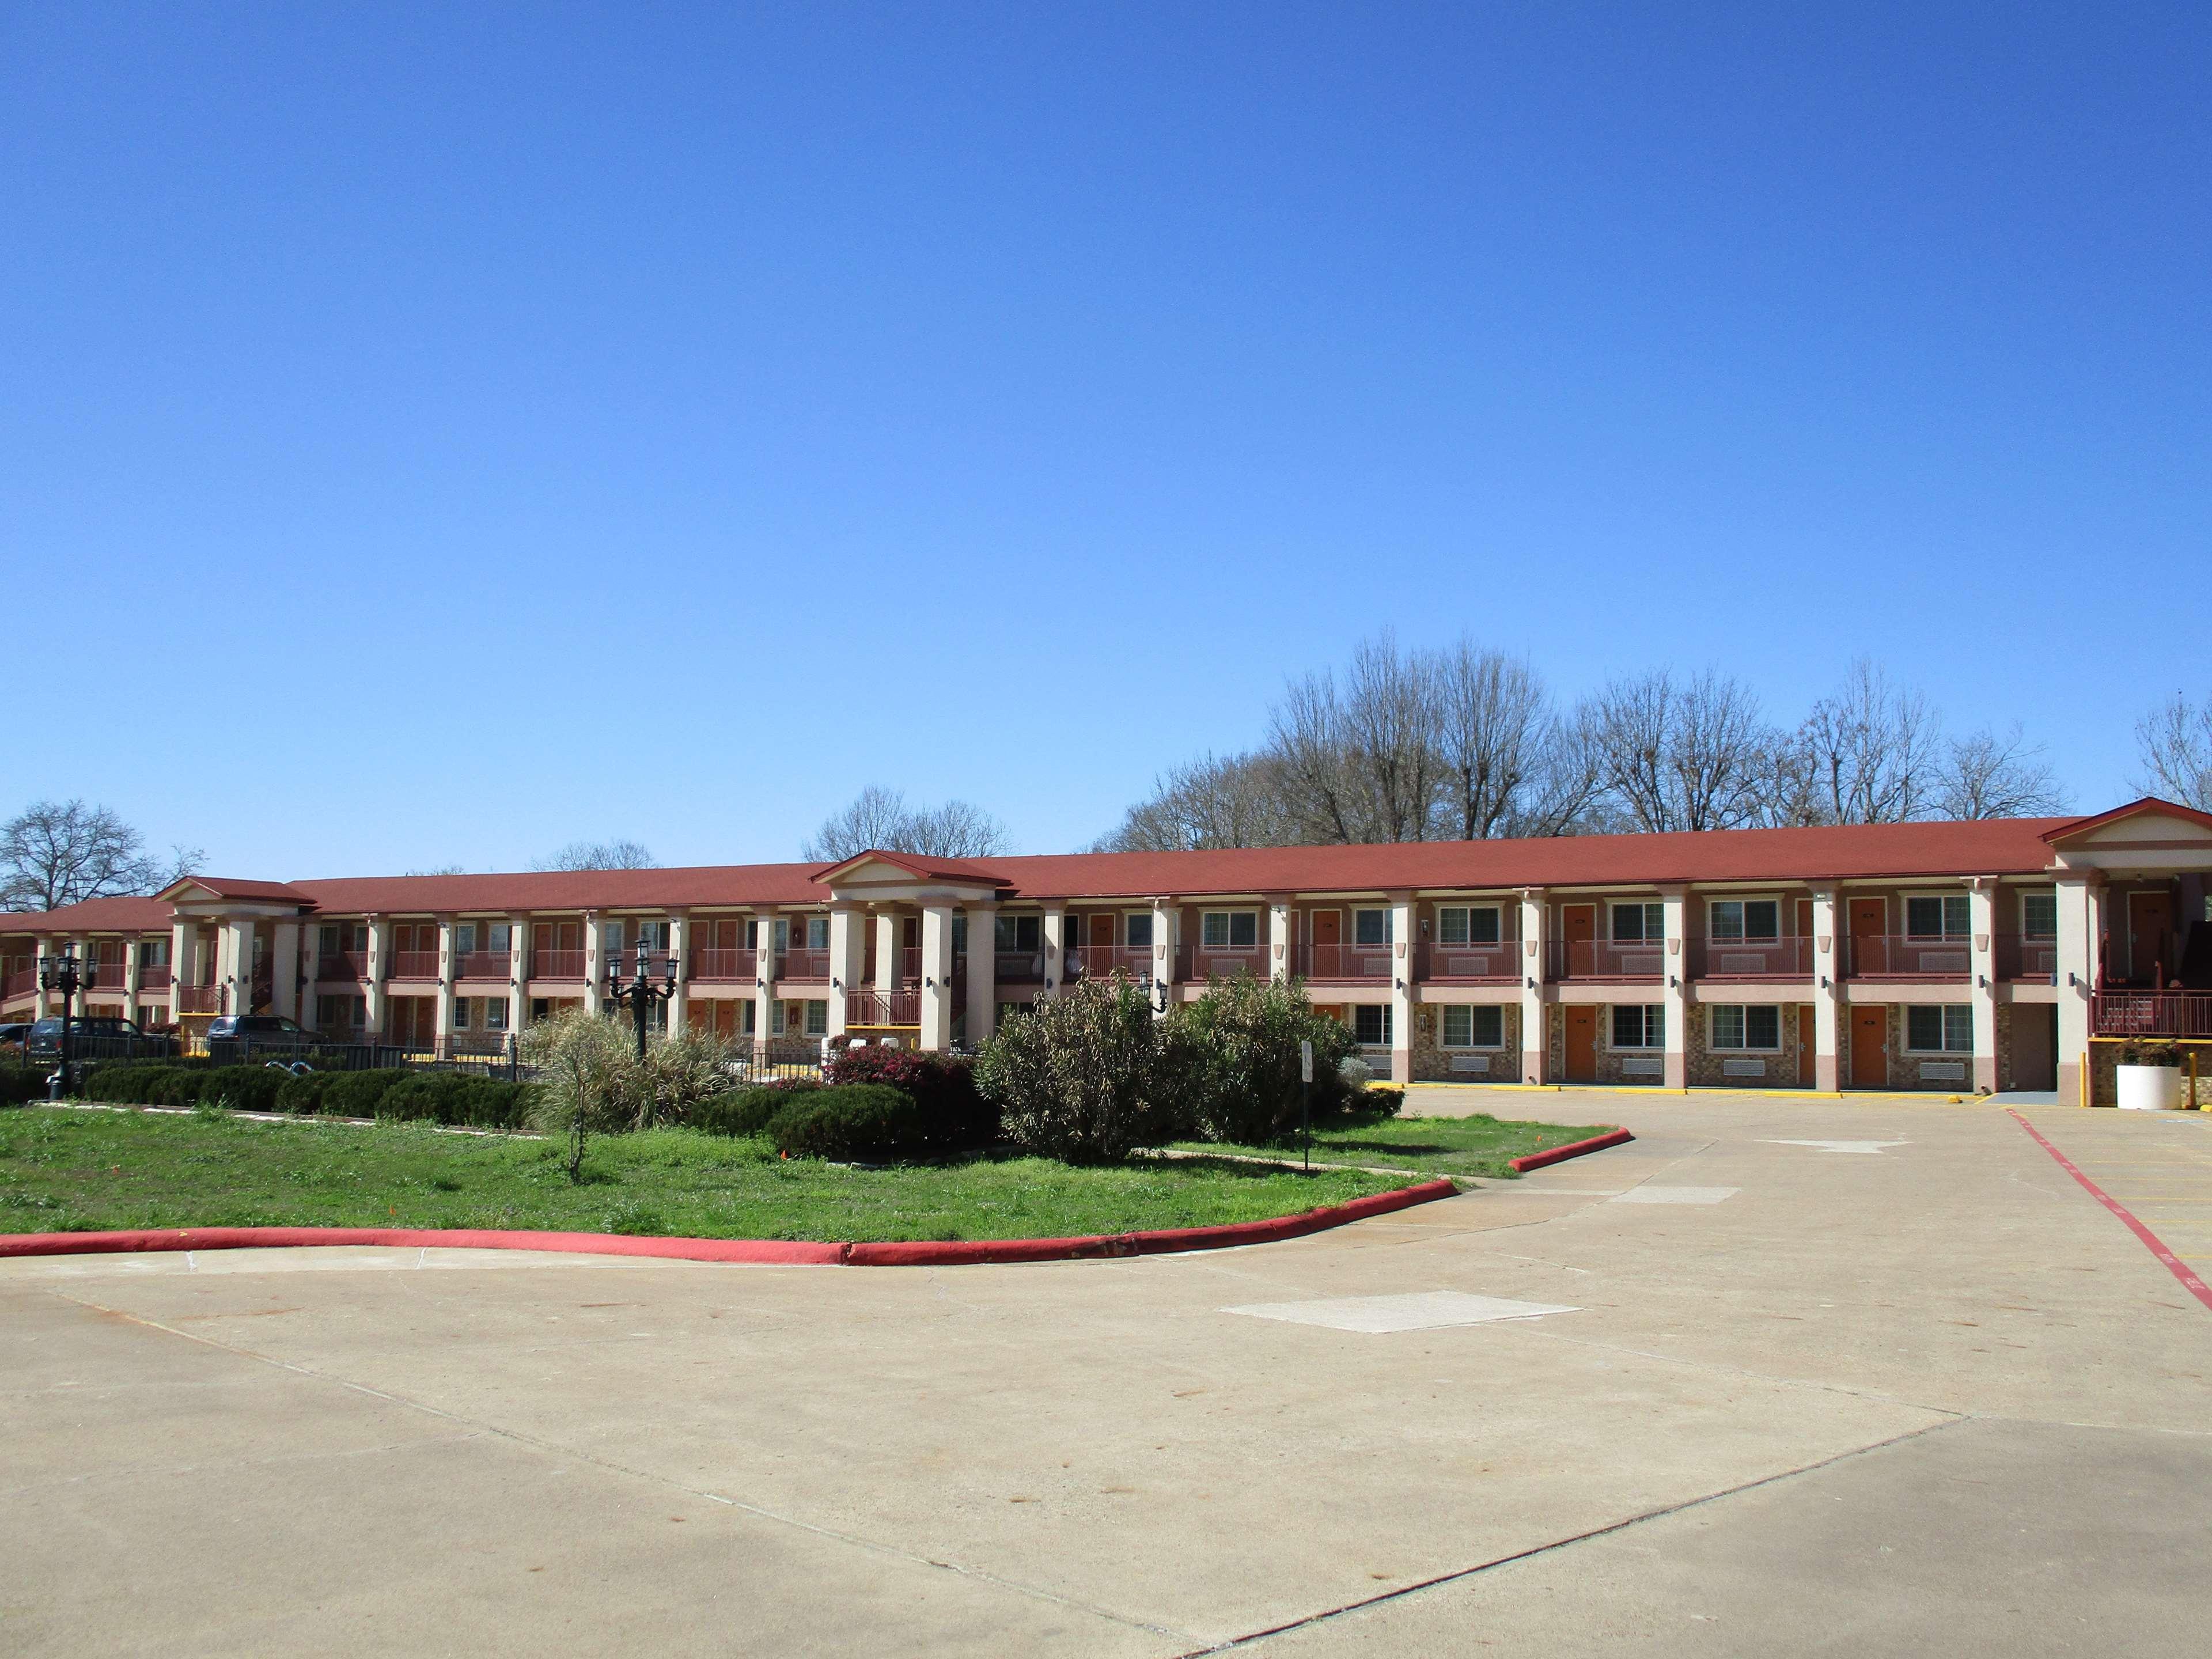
(782, 1252)
(2151, 1241)
(1573, 1149)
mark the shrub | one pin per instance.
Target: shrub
(868, 1120)
(19, 1084)
(1088, 1075)
(748, 1111)
(1247, 1033)
(354, 1094)
(241, 1088)
(592, 1081)
(133, 1082)
(302, 1095)
(958, 1117)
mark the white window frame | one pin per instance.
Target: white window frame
(1742, 902)
(818, 932)
(1467, 911)
(1654, 1028)
(1648, 908)
(1467, 1011)
(461, 1012)
(1229, 921)
(815, 1021)
(465, 939)
(1958, 1022)
(1946, 901)
(1389, 1022)
(1743, 1044)
(494, 1013)
(2051, 895)
(1132, 921)
(1389, 916)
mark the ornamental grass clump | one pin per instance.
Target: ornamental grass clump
(1090, 1075)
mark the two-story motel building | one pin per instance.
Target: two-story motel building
(1958, 956)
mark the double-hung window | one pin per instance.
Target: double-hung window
(495, 1009)
(464, 1009)
(465, 939)
(1936, 916)
(818, 1018)
(1230, 930)
(1734, 919)
(1020, 932)
(1756, 1026)
(1468, 1026)
(1466, 924)
(1639, 924)
(818, 932)
(1371, 927)
(1945, 1028)
(1371, 1023)
(1137, 929)
(1639, 1025)
(2039, 916)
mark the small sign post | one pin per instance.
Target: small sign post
(1305, 1097)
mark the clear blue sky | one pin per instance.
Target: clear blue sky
(390, 397)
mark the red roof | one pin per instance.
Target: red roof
(99, 915)
(571, 889)
(233, 887)
(2148, 806)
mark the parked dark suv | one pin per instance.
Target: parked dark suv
(234, 1038)
(97, 1037)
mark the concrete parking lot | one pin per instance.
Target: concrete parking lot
(1857, 1377)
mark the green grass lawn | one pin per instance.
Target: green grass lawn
(1435, 1145)
(64, 1171)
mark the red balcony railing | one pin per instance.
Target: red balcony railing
(1463, 964)
(22, 982)
(810, 966)
(414, 964)
(153, 975)
(485, 964)
(1349, 965)
(880, 1008)
(1628, 960)
(1897, 956)
(200, 1000)
(342, 965)
(2170, 1014)
(1751, 958)
(1020, 967)
(556, 964)
(910, 964)
(1219, 962)
(725, 966)
(2033, 960)
(1099, 961)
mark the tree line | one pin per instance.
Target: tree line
(1466, 743)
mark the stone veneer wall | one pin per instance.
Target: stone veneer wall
(1707, 1067)
(1432, 1063)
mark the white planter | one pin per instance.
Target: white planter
(2150, 1088)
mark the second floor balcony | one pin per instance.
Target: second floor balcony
(1102, 961)
(2153, 1015)
(877, 1009)
(1621, 961)
(341, 966)
(1903, 956)
(153, 975)
(484, 965)
(1200, 962)
(413, 964)
(2026, 960)
(567, 964)
(1348, 964)
(724, 965)
(803, 965)
(1751, 958)
(1489, 961)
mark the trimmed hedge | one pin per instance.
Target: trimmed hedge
(865, 1120)
(449, 1098)
(748, 1111)
(19, 1084)
(432, 1097)
(955, 1116)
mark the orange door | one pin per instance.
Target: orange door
(1870, 1046)
(1581, 1042)
(1807, 1042)
(2150, 917)
(1102, 928)
(1328, 928)
(570, 936)
(1578, 924)
(1804, 918)
(1869, 922)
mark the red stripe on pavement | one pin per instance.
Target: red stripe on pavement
(2174, 1265)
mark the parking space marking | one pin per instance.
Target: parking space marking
(2174, 1265)
(1872, 1148)
(1677, 1194)
(1417, 1310)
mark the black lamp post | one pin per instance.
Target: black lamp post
(66, 975)
(640, 993)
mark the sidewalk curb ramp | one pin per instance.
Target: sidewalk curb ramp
(1573, 1149)
(765, 1251)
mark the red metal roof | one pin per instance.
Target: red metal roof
(2148, 806)
(234, 887)
(573, 890)
(99, 915)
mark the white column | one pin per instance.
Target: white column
(983, 973)
(1281, 946)
(183, 937)
(133, 950)
(284, 971)
(518, 974)
(1165, 915)
(1055, 949)
(379, 965)
(1402, 987)
(849, 961)
(1535, 1029)
(43, 1002)
(592, 971)
(763, 977)
(889, 950)
(679, 953)
(446, 970)
(1827, 991)
(2079, 910)
(1674, 964)
(937, 973)
(235, 963)
(1982, 915)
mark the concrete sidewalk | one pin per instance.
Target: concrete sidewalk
(1862, 1377)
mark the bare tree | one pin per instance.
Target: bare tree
(594, 855)
(2173, 743)
(1362, 763)
(880, 820)
(1493, 724)
(1231, 801)
(1983, 775)
(1871, 751)
(56, 853)
(1687, 756)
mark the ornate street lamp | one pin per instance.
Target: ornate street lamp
(66, 975)
(640, 993)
